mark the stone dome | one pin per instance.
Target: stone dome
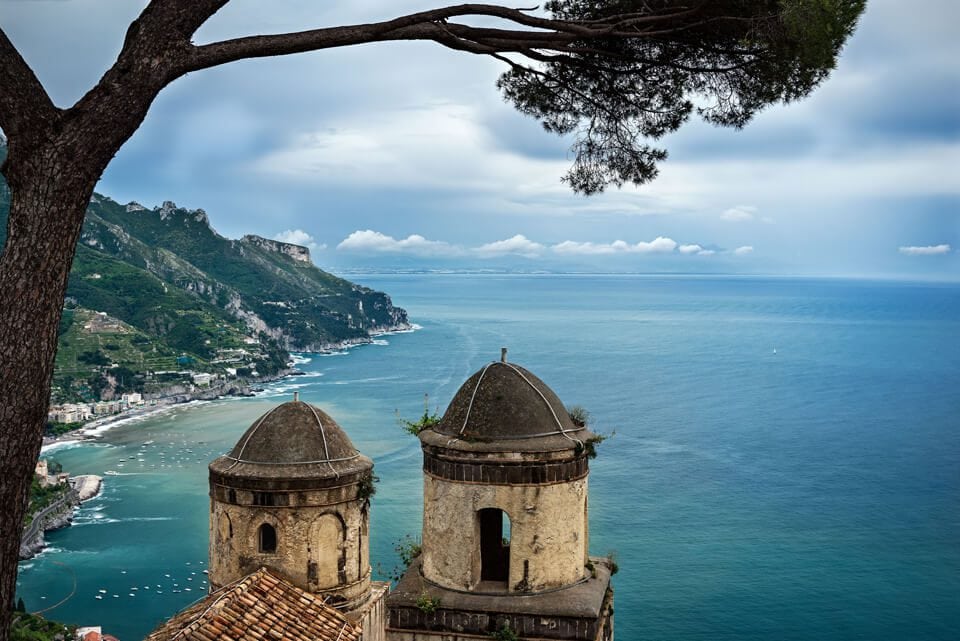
(295, 440)
(505, 407)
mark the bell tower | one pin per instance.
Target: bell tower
(293, 496)
(505, 527)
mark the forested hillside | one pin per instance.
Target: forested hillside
(156, 289)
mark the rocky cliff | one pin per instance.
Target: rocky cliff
(168, 273)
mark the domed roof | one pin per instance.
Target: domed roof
(294, 432)
(506, 404)
(293, 440)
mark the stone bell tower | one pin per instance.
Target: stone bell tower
(505, 528)
(293, 496)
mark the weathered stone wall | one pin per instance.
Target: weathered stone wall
(528, 628)
(548, 532)
(373, 615)
(322, 541)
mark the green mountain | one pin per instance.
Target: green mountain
(178, 287)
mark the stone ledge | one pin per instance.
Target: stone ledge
(576, 612)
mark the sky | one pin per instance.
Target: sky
(405, 156)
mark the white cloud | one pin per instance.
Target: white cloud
(928, 250)
(589, 249)
(690, 249)
(739, 214)
(743, 251)
(706, 252)
(374, 242)
(519, 245)
(660, 245)
(298, 237)
(411, 147)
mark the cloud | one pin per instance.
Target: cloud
(659, 245)
(572, 247)
(519, 245)
(743, 251)
(370, 241)
(408, 147)
(298, 237)
(928, 250)
(738, 214)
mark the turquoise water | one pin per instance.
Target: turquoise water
(786, 463)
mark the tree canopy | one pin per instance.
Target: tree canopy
(615, 74)
(658, 62)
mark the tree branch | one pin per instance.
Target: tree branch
(553, 33)
(24, 104)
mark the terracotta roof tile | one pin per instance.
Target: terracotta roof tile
(284, 612)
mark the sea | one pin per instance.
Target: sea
(783, 461)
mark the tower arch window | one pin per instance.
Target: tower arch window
(267, 538)
(494, 545)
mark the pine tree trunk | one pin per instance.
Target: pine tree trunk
(49, 195)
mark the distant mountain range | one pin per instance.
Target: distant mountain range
(166, 273)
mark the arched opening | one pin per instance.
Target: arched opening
(494, 545)
(268, 538)
(361, 547)
(225, 527)
(328, 540)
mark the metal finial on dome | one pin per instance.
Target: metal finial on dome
(503, 354)
(296, 396)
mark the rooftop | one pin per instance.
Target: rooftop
(293, 440)
(262, 605)
(506, 407)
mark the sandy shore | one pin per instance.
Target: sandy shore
(92, 430)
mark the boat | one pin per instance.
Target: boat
(112, 473)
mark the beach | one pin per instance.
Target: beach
(94, 429)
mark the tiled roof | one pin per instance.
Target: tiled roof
(262, 605)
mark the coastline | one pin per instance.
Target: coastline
(87, 486)
(60, 515)
(93, 430)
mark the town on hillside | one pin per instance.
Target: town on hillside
(106, 367)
